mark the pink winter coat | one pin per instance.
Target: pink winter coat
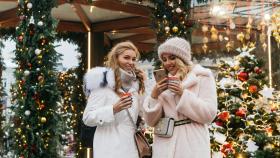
(198, 103)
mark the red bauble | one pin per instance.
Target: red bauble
(42, 106)
(20, 38)
(219, 123)
(224, 116)
(243, 76)
(257, 70)
(241, 112)
(253, 88)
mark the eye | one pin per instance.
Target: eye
(133, 59)
(126, 57)
(172, 57)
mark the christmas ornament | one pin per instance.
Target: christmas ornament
(221, 38)
(175, 29)
(204, 48)
(167, 29)
(37, 51)
(27, 113)
(243, 76)
(20, 38)
(205, 40)
(257, 70)
(240, 36)
(178, 10)
(204, 28)
(219, 137)
(253, 88)
(31, 21)
(43, 120)
(26, 73)
(267, 92)
(224, 116)
(241, 112)
(251, 146)
(29, 5)
(232, 25)
(41, 106)
(40, 23)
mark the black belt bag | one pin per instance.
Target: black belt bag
(165, 126)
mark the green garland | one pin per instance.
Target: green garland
(2, 95)
(36, 126)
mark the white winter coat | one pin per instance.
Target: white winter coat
(114, 134)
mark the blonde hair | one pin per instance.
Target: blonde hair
(183, 68)
(113, 63)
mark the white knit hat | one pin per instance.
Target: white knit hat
(178, 47)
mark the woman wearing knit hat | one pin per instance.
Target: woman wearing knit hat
(191, 100)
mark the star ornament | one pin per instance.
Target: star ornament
(267, 92)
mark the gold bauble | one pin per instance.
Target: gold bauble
(214, 37)
(175, 29)
(43, 120)
(204, 48)
(247, 36)
(240, 36)
(205, 40)
(19, 130)
(204, 28)
(236, 67)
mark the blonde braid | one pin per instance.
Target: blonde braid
(140, 77)
(118, 81)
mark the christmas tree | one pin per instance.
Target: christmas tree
(36, 124)
(2, 95)
(247, 124)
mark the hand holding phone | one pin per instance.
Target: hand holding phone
(160, 74)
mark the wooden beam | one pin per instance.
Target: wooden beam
(145, 47)
(80, 12)
(71, 26)
(10, 22)
(127, 7)
(136, 38)
(126, 23)
(143, 30)
(8, 14)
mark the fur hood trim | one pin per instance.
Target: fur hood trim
(99, 77)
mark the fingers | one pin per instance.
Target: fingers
(164, 80)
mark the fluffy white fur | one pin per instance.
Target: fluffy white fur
(94, 77)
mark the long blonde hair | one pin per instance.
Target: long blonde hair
(113, 63)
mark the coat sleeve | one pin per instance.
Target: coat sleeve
(152, 110)
(201, 108)
(97, 113)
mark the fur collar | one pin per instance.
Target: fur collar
(193, 76)
(95, 78)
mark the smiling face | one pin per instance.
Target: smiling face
(169, 63)
(127, 60)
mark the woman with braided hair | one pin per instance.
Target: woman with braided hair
(107, 104)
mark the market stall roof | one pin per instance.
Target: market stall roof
(131, 21)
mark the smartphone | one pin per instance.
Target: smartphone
(159, 74)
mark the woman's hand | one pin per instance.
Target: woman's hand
(159, 88)
(176, 88)
(124, 103)
(141, 73)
